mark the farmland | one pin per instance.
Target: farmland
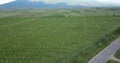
(48, 36)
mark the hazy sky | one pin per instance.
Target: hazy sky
(76, 2)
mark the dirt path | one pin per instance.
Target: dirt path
(115, 59)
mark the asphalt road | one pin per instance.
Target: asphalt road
(105, 54)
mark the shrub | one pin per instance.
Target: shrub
(99, 44)
(118, 30)
(104, 39)
(79, 59)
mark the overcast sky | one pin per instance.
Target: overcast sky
(75, 2)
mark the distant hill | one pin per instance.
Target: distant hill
(21, 4)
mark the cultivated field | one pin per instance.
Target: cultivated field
(50, 36)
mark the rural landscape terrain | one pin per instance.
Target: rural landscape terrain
(58, 35)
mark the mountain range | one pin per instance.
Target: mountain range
(21, 4)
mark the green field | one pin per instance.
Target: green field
(38, 36)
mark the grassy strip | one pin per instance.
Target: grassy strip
(85, 55)
(117, 55)
(111, 61)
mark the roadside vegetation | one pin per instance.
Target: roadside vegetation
(117, 55)
(111, 61)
